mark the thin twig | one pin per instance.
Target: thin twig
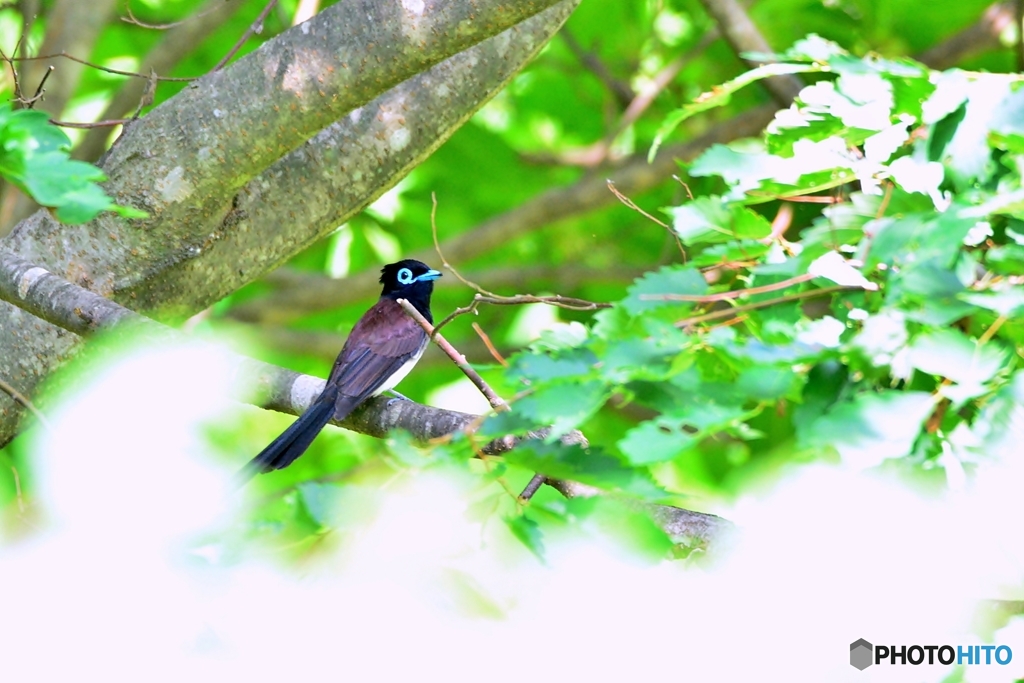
(991, 331)
(729, 312)
(496, 402)
(1019, 7)
(23, 400)
(256, 27)
(106, 69)
(131, 19)
(618, 87)
(732, 294)
(483, 296)
(17, 490)
(631, 204)
(14, 72)
(39, 91)
(440, 254)
(490, 347)
(780, 224)
(531, 488)
(95, 124)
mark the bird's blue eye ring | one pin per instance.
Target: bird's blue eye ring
(404, 276)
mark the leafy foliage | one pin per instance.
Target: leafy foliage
(34, 155)
(880, 327)
(878, 331)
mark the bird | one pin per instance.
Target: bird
(380, 351)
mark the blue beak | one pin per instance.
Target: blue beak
(429, 275)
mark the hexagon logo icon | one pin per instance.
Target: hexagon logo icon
(860, 654)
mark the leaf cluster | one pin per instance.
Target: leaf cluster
(34, 156)
(881, 326)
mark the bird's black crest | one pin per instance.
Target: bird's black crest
(397, 277)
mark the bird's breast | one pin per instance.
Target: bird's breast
(399, 374)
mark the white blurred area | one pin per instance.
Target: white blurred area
(120, 589)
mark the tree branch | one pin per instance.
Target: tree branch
(172, 48)
(741, 33)
(980, 36)
(588, 194)
(192, 252)
(40, 293)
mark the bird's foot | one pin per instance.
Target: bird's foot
(397, 397)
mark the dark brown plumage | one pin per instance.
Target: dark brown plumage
(379, 352)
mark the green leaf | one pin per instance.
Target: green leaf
(588, 466)
(949, 353)
(665, 437)
(871, 427)
(564, 405)
(656, 440)
(319, 501)
(645, 292)
(1006, 302)
(767, 383)
(722, 94)
(544, 367)
(35, 158)
(709, 220)
(528, 532)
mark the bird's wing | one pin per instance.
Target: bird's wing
(381, 343)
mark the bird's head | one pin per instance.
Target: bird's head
(408, 278)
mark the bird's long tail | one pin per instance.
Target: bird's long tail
(294, 441)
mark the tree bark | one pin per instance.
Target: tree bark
(238, 176)
(77, 310)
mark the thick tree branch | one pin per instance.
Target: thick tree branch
(741, 33)
(275, 99)
(588, 194)
(175, 44)
(71, 26)
(980, 36)
(38, 292)
(185, 256)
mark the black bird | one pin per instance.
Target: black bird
(381, 349)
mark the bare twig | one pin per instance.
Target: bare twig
(743, 36)
(557, 300)
(172, 47)
(100, 67)
(460, 361)
(39, 91)
(736, 310)
(780, 224)
(131, 19)
(94, 124)
(255, 28)
(23, 400)
(619, 88)
(991, 331)
(982, 35)
(483, 296)
(732, 294)
(532, 487)
(631, 204)
(490, 347)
